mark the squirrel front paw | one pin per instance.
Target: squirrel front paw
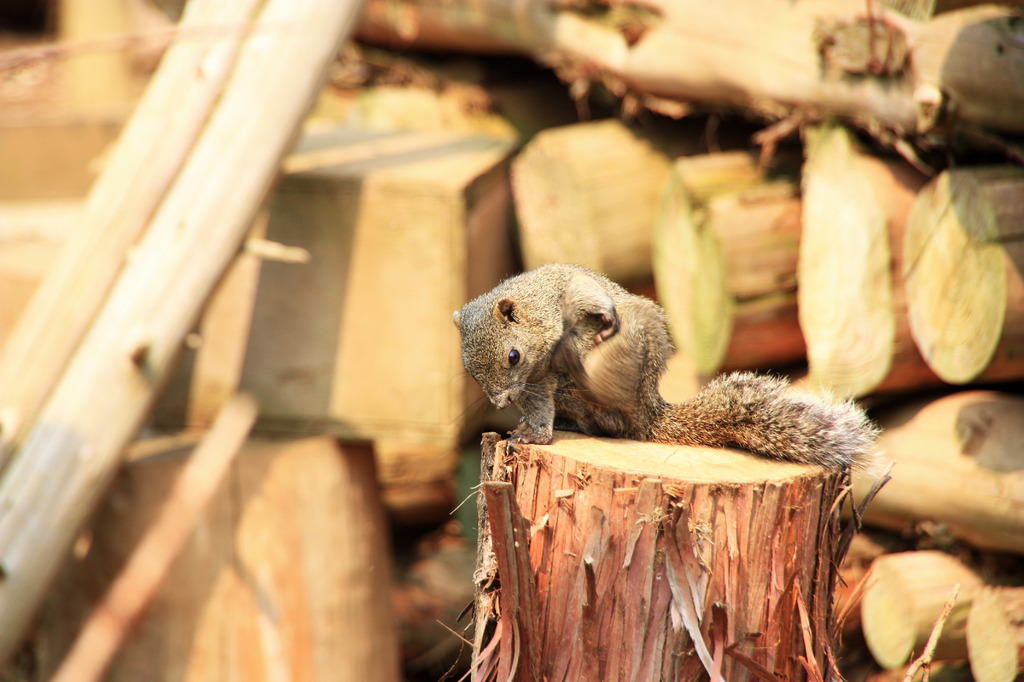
(525, 433)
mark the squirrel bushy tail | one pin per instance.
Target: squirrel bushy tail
(765, 415)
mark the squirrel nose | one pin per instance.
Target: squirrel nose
(502, 400)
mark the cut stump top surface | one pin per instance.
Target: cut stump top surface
(680, 462)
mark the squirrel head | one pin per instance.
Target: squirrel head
(501, 347)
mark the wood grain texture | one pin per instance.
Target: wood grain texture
(99, 385)
(995, 634)
(852, 308)
(585, 194)
(661, 562)
(905, 596)
(287, 575)
(964, 271)
(958, 462)
(725, 253)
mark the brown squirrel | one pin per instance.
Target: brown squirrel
(572, 348)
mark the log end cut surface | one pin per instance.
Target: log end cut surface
(679, 462)
(956, 266)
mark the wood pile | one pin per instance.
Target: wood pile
(832, 190)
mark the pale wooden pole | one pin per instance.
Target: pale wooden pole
(71, 449)
(148, 156)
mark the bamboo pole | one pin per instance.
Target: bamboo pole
(73, 446)
(143, 164)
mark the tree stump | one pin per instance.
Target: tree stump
(605, 559)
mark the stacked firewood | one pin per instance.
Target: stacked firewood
(872, 235)
(890, 269)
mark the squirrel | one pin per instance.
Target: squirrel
(573, 349)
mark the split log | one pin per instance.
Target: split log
(905, 596)
(995, 634)
(725, 245)
(586, 194)
(958, 463)
(97, 386)
(866, 63)
(286, 577)
(852, 309)
(964, 271)
(620, 560)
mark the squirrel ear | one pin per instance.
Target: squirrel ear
(457, 318)
(505, 310)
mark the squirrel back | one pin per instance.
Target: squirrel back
(568, 344)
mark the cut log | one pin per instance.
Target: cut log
(620, 560)
(925, 9)
(725, 245)
(905, 596)
(995, 634)
(852, 311)
(449, 106)
(286, 577)
(97, 387)
(864, 62)
(116, 614)
(586, 194)
(964, 271)
(958, 463)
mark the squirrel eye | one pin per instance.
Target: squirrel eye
(513, 358)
